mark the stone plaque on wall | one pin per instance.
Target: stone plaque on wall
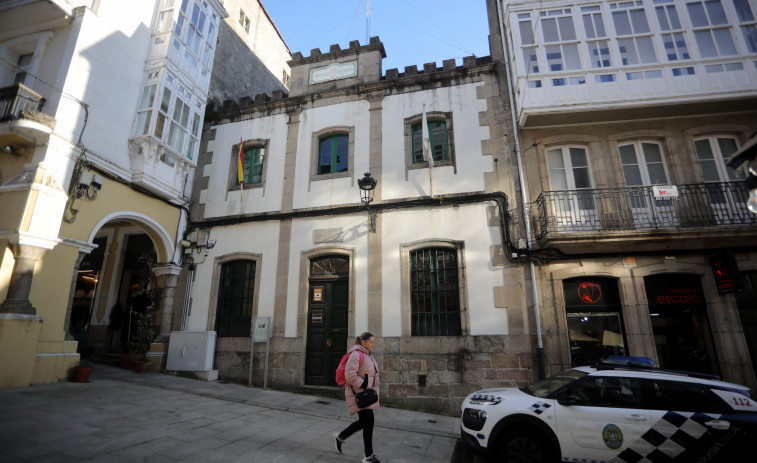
(334, 71)
(328, 235)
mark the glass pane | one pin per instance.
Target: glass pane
(704, 150)
(744, 10)
(166, 100)
(159, 125)
(417, 144)
(651, 152)
(600, 25)
(554, 58)
(716, 13)
(709, 171)
(622, 24)
(706, 45)
(750, 35)
(673, 14)
(727, 148)
(529, 57)
(526, 32)
(324, 160)
(572, 60)
(724, 41)
(696, 13)
(646, 50)
(589, 27)
(554, 159)
(549, 30)
(627, 52)
(567, 31)
(578, 157)
(662, 18)
(581, 177)
(639, 21)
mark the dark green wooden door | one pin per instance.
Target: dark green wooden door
(327, 330)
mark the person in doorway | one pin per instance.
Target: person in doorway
(361, 374)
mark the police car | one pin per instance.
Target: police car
(621, 411)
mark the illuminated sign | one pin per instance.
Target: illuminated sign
(673, 291)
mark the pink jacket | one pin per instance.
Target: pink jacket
(355, 377)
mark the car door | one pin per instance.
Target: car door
(600, 417)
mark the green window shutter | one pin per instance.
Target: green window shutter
(253, 165)
(437, 133)
(333, 154)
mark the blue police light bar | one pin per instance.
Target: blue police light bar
(628, 361)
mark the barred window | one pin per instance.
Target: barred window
(235, 298)
(435, 292)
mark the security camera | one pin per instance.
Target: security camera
(85, 178)
(97, 182)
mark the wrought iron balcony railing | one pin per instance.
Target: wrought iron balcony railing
(18, 98)
(636, 208)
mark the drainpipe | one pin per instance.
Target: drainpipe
(541, 362)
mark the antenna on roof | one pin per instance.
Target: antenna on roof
(368, 22)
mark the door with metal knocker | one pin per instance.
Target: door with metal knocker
(328, 304)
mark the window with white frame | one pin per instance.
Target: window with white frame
(528, 46)
(673, 37)
(597, 44)
(165, 16)
(560, 42)
(643, 163)
(713, 152)
(569, 171)
(165, 102)
(634, 36)
(144, 112)
(178, 128)
(746, 15)
(711, 28)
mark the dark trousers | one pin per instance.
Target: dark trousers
(364, 422)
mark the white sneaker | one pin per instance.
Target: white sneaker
(371, 459)
(338, 442)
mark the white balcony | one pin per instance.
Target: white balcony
(159, 168)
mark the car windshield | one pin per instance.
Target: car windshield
(547, 386)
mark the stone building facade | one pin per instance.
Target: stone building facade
(431, 281)
(642, 241)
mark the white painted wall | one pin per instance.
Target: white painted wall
(464, 105)
(257, 238)
(329, 192)
(464, 223)
(219, 201)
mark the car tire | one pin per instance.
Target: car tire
(524, 446)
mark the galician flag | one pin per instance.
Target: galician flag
(427, 155)
(240, 164)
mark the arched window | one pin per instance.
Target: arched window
(434, 292)
(235, 298)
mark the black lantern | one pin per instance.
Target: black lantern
(367, 184)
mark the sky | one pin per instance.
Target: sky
(412, 31)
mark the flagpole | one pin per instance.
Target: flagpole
(240, 176)
(427, 155)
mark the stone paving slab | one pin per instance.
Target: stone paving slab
(121, 416)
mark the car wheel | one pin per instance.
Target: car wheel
(523, 446)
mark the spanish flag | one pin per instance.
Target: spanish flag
(240, 164)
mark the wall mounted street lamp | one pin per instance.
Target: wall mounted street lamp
(367, 184)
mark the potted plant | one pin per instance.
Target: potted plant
(81, 372)
(147, 299)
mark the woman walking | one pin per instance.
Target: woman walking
(361, 373)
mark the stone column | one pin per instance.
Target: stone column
(20, 285)
(170, 274)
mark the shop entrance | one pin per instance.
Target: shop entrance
(679, 323)
(595, 324)
(328, 307)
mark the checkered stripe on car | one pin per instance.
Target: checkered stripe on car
(539, 407)
(667, 438)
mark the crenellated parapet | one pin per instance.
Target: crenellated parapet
(354, 70)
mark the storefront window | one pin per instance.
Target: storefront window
(595, 325)
(679, 323)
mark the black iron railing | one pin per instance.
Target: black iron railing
(18, 98)
(637, 208)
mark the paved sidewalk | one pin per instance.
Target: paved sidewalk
(121, 416)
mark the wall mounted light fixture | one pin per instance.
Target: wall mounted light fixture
(367, 184)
